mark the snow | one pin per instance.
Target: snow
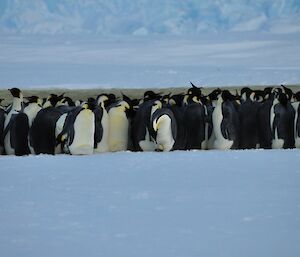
(92, 61)
(197, 203)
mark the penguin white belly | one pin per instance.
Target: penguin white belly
(297, 139)
(147, 145)
(31, 112)
(102, 146)
(7, 146)
(220, 142)
(84, 129)
(118, 131)
(164, 138)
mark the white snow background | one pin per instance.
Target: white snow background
(178, 204)
(197, 203)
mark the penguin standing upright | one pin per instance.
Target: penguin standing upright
(101, 125)
(118, 116)
(248, 112)
(283, 123)
(194, 118)
(225, 122)
(296, 106)
(16, 107)
(2, 120)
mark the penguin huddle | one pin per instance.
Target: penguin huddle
(250, 119)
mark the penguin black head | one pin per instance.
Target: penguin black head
(195, 91)
(227, 96)
(246, 92)
(267, 92)
(297, 96)
(176, 99)
(213, 96)
(283, 98)
(32, 99)
(259, 95)
(16, 92)
(288, 92)
(53, 99)
(67, 100)
(150, 95)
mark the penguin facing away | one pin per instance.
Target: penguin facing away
(118, 126)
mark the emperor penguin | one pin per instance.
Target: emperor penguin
(266, 117)
(140, 126)
(77, 136)
(119, 124)
(16, 107)
(33, 106)
(194, 118)
(101, 124)
(47, 124)
(283, 122)
(225, 123)
(2, 120)
(163, 129)
(21, 126)
(296, 106)
(248, 115)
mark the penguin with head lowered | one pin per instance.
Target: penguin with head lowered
(141, 138)
(46, 126)
(78, 133)
(163, 129)
(11, 130)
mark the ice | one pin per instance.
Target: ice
(193, 203)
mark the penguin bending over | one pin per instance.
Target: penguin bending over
(163, 129)
(140, 126)
(77, 136)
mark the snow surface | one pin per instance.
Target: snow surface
(198, 203)
(90, 61)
